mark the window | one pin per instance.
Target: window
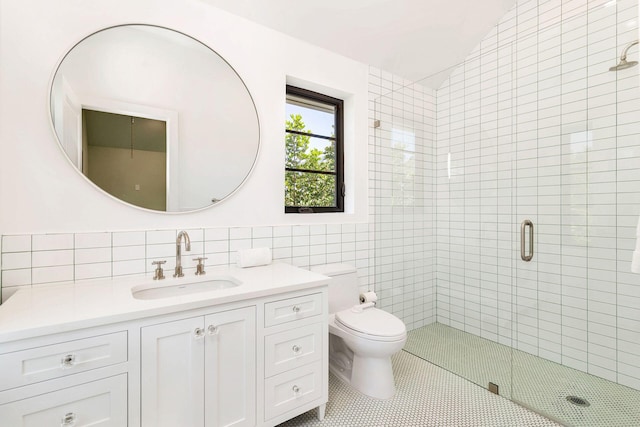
(314, 179)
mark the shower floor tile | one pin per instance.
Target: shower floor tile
(535, 382)
(426, 396)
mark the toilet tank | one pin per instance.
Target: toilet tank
(343, 288)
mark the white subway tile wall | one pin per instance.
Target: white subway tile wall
(536, 127)
(402, 120)
(57, 258)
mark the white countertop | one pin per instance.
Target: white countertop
(45, 309)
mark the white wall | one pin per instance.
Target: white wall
(41, 193)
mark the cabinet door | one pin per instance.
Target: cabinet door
(99, 403)
(230, 368)
(172, 374)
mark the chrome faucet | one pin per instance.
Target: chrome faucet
(187, 247)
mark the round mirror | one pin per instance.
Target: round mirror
(154, 118)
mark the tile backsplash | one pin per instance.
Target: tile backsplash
(40, 259)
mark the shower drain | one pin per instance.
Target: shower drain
(578, 401)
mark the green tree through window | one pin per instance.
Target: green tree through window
(313, 178)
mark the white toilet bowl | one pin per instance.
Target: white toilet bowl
(361, 358)
(362, 338)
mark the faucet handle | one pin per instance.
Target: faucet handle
(200, 266)
(159, 273)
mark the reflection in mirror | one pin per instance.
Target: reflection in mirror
(118, 84)
(126, 156)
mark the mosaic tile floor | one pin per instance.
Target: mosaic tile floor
(476, 359)
(426, 396)
(536, 383)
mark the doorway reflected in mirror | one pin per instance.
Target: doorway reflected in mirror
(126, 156)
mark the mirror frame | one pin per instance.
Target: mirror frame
(111, 196)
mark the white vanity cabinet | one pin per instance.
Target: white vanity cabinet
(200, 371)
(257, 365)
(74, 379)
(254, 355)
(295, 356)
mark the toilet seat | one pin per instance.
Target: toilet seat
(371, 323)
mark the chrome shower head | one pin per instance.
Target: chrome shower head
(624, 64)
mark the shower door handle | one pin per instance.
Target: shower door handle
(526, 223)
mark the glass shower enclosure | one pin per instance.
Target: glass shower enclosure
(507, 194)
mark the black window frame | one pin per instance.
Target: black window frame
(338, 104)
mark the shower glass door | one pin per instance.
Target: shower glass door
(443, 181)
(576, 178)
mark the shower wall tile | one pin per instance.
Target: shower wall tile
(533, 125)
(401, 180)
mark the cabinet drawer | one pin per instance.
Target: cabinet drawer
(293, 348)
(291, 309)
(98, 403)
(52, 361)
(291, 389)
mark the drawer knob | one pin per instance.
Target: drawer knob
(296, 349)
(295, 389)
(68, 420)
(198, 333)
(296, 309)
(212, 330)
(68, 361)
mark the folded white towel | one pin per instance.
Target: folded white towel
(254, 257)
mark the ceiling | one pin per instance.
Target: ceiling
(411, 38)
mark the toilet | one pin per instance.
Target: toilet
(362, 338)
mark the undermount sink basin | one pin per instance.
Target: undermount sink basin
(177, 288)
